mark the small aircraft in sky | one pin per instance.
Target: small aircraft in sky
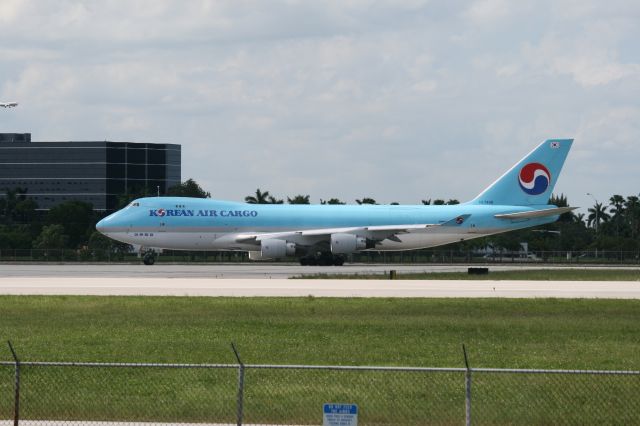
(8, 104)
(324, 234)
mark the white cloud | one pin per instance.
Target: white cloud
(395, 100)
(614, 129)
(10, 10)
(487, 12)
(587, 61)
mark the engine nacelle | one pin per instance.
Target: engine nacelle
(275, 249)
(347, 243)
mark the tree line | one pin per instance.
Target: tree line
(71, 225)
(264, 197)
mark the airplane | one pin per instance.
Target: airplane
(8, 104)
(324, 234)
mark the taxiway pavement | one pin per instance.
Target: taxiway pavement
(317, 288)
(236, 270)
(259, 280)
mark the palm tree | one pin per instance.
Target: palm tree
(259, 198)
(440, 202)
(366, 200)
(561, 201)
(299, 199)
(632, 213)
(632, 202)
(617, 201)
(597, 214)
(274, 200)
(334, 201)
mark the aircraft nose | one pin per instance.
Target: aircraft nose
(101, 226)
(107, 224)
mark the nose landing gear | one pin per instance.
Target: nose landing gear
(149, 257)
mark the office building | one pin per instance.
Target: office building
(93, 172)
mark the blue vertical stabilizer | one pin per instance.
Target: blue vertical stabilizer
(531, 180)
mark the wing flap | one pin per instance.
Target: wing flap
(391, 230)
(380, 232)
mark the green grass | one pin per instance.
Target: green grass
(535, 333)
(533, 275)
(523, 333)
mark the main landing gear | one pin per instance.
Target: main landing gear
(323, 259)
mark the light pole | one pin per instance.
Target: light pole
(597, 208)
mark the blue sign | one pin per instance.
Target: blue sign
(339, 414)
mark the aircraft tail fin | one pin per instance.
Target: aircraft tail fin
(531, 180)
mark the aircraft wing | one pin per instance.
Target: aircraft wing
(535, 213)
(375, 232)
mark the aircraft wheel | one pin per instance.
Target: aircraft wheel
(149, 259)
(338, 261)
(326, 259)
(308, 261)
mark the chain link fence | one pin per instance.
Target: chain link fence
(543, 397)
(100, 394)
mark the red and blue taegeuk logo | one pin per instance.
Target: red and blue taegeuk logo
(534, 178)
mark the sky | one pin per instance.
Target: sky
(396, 100)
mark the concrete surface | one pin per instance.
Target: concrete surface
(243, 270)
(111, 286)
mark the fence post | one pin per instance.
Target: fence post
(467, 385)
(16, 407)
(240, 403)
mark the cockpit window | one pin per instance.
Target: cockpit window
(134, 204)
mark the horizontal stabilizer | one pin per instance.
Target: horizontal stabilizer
(535, 213)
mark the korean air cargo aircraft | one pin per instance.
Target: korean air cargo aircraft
(323, 234)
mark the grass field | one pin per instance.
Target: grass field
(522, 274)
(544, 333)
(533, 333)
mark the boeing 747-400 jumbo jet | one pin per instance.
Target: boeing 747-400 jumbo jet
(323, 234)
(8, 104)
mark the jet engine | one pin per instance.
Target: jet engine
(348, 243)
(274, 249)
